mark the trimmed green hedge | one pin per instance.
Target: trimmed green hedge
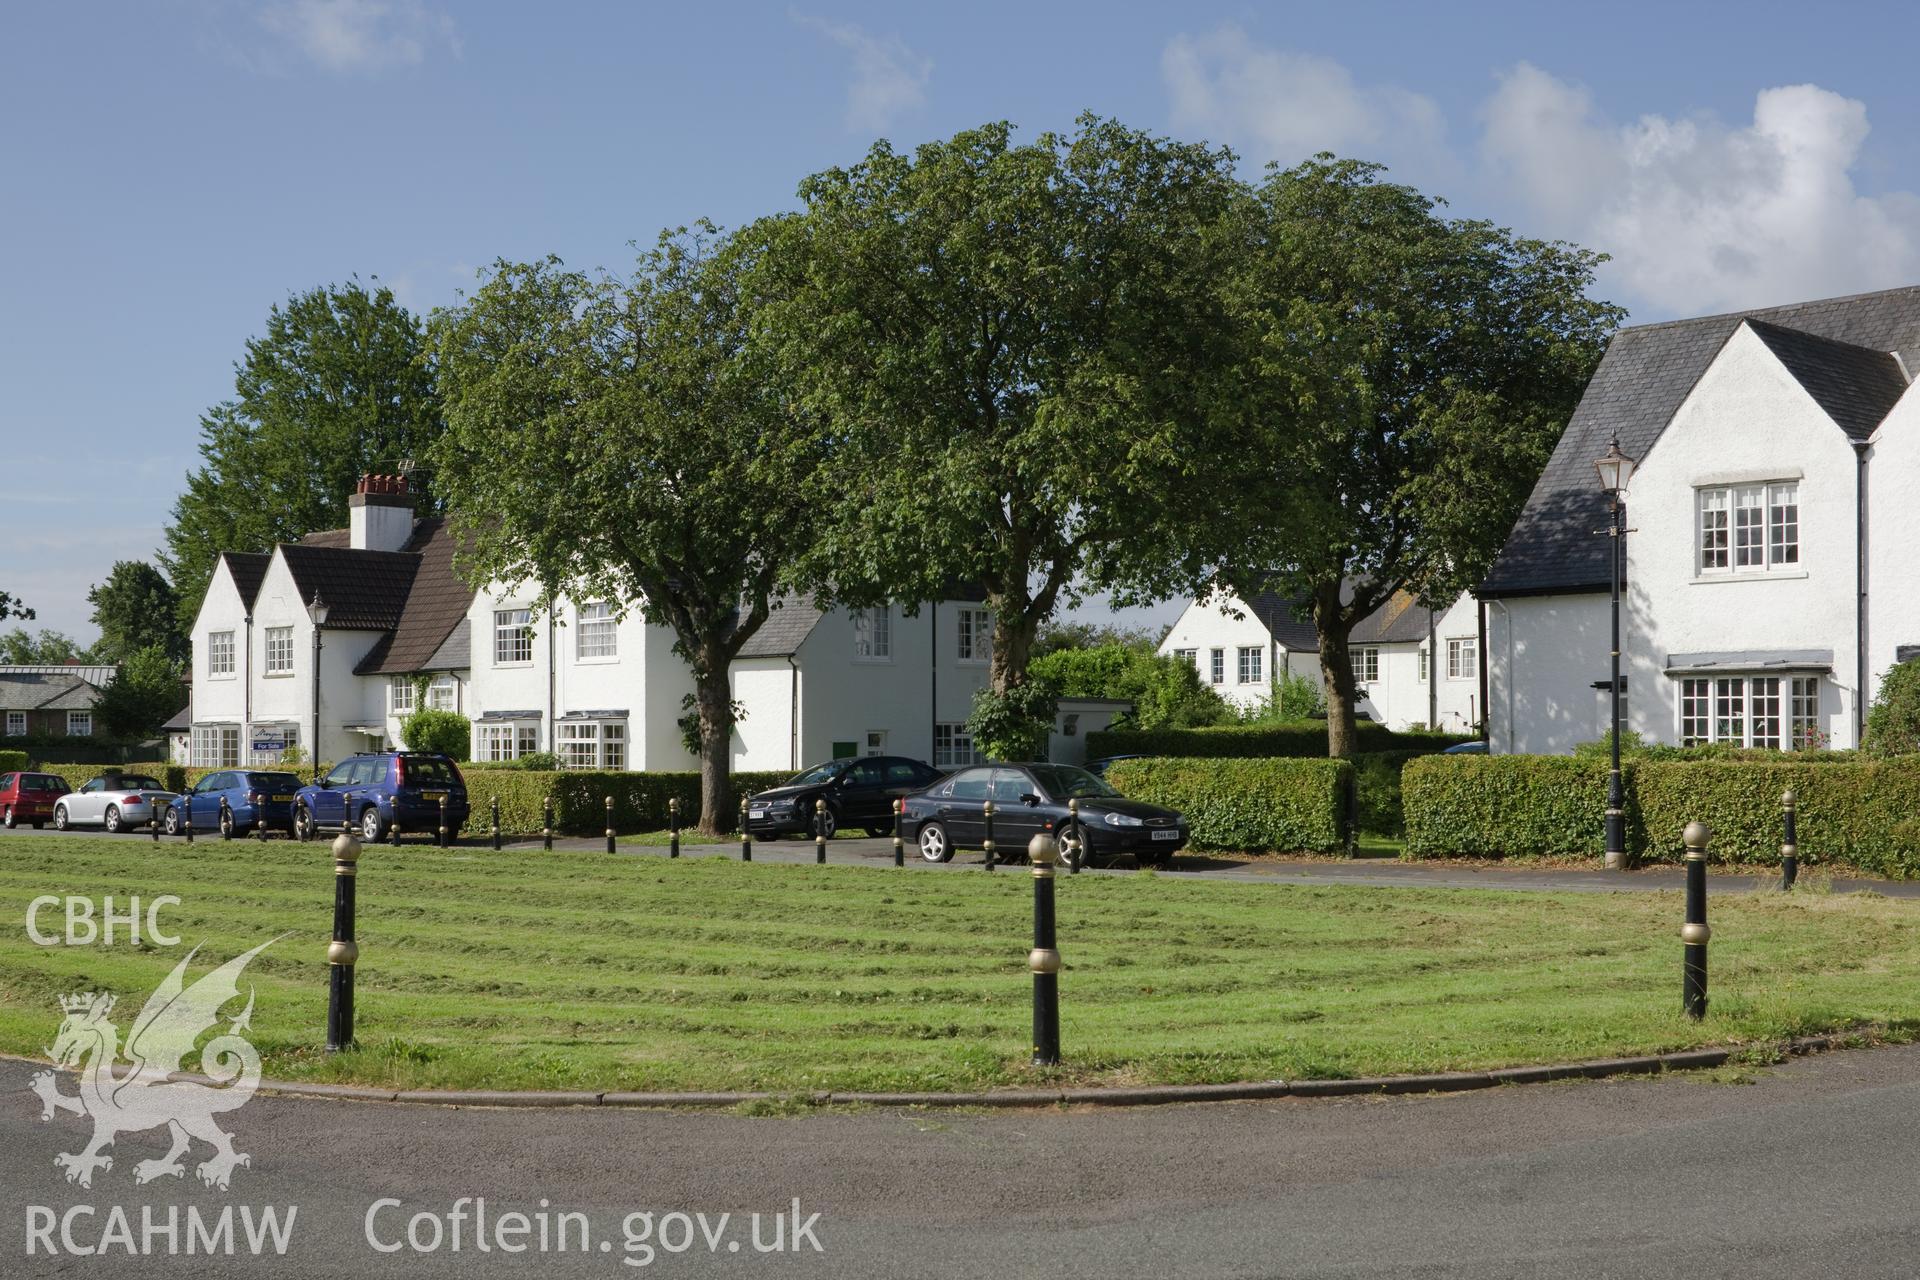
(12, 761)
(579, 798)
(1376, 790)
(1286, 805)
(1308, 738)
(1860, 811)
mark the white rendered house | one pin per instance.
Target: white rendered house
(1239, 646)
(1771, 512)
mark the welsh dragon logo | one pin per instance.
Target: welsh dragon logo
(146, 1094)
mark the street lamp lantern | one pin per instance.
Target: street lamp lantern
(1615, 469)
(317, 610)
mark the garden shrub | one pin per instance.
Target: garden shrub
(1503, 806)
(1303, 738)
(12, 761)
(579, 797)
(447, 732)
(1285, 805)
(1893, 721)
(1376, 787)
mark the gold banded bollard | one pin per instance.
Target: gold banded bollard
(1789, 847)
(495, 806)
(342, 953)
(1044, 960)
(673, 826)
(746, 836)
(226, 820)
(899, 845)
(259, 802)
(1076, 847)
(986, 811)
(820, 831)
(610, 824)
(1694, 933)
(546, 820)
(189, 822)
(441, 839)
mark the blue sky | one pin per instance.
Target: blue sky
(172, 169)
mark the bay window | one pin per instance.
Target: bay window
(593, 744)
(1780, 713)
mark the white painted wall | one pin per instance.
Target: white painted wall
(220, 699)
(1746, 419)
(1544, 654)
(1893, 513)
(1209, 624)
(768, 688)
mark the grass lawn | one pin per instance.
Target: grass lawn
(584, 971)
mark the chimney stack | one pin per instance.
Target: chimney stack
(380, 514)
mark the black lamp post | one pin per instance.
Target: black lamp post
(1616, 469)
(316, 610)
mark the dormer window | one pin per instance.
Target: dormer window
(1748, 528)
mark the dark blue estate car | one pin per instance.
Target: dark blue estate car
(380, 791)
(252, 796)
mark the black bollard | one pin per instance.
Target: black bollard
(1694, 933)
(1044, 960)
(899, 845)
(441, 838)
(1790, 848)
(393, 830)
(546, 828)
(610, 824)
(746, 836)
(226, 820)
(259, 803)
(1077, 839)
(154, 827)
(820, 831)
(673, 826)
(986, 811)
(496, 824)
(189, 822)
(342, 953)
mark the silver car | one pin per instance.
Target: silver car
(117, 801)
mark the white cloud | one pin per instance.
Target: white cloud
(889, 79)
(361, 35)
(1702, 216)
(1280, 105)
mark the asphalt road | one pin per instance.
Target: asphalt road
(863, 851)
(1814, 1167)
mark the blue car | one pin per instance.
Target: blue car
(253, 797)
(381, 791)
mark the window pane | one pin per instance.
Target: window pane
(512, 635)
(1713, 529)
(598, 632)
(1766, 711)
(1729, 711)
(1805, 717)
(1783, 523)
(1749, 527)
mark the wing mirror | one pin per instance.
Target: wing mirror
(1029, 799)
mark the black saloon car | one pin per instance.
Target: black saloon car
(859, 793)
(1031, 798)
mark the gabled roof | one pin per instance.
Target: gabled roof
(38, 691)
(1286, 621)
(785, 630)
(1642, 380)
(433, 617)
(1399, 621)
(363, 590)
(1856, 386)
(247, 569)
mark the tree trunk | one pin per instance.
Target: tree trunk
(1013, 636)
(1336, 673)
(713, 702)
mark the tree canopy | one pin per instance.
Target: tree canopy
(143, 695)
(618, 439)
(337, 386)
(1400, 379)
(46, 648)
(1010, 342)
(135, 609)
(12, 607)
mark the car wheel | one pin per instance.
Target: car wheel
(113, 819)
(371, 827)
(302, 823)
(826, 822)
(934, 844)
(60, 817)
(172, 823)
(1073, 848)
(8, 819)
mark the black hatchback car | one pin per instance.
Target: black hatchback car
(859, 793)
(1031, 798)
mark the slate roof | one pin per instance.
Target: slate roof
(1287, 621)
(1856, 386)
(39, 691)
(363, 590)
(431, 634)
(785, 630)
(1399, 621)
(1646, 373)
(247, 569)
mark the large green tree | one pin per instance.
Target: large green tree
(136, 608)
(337, 386)
(147, 690)
(617, 439)
(1013, 341)
(1402, 378)
(47, 648)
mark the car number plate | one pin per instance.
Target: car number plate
(435, 796)
(283, 799)
(1168, 834)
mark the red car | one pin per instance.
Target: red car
(29, 797)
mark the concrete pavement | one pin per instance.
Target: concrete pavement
(1814, 1166)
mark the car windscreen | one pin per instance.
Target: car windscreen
(818, 774)
(273, 782)
(1064, 782)
(428, 769)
